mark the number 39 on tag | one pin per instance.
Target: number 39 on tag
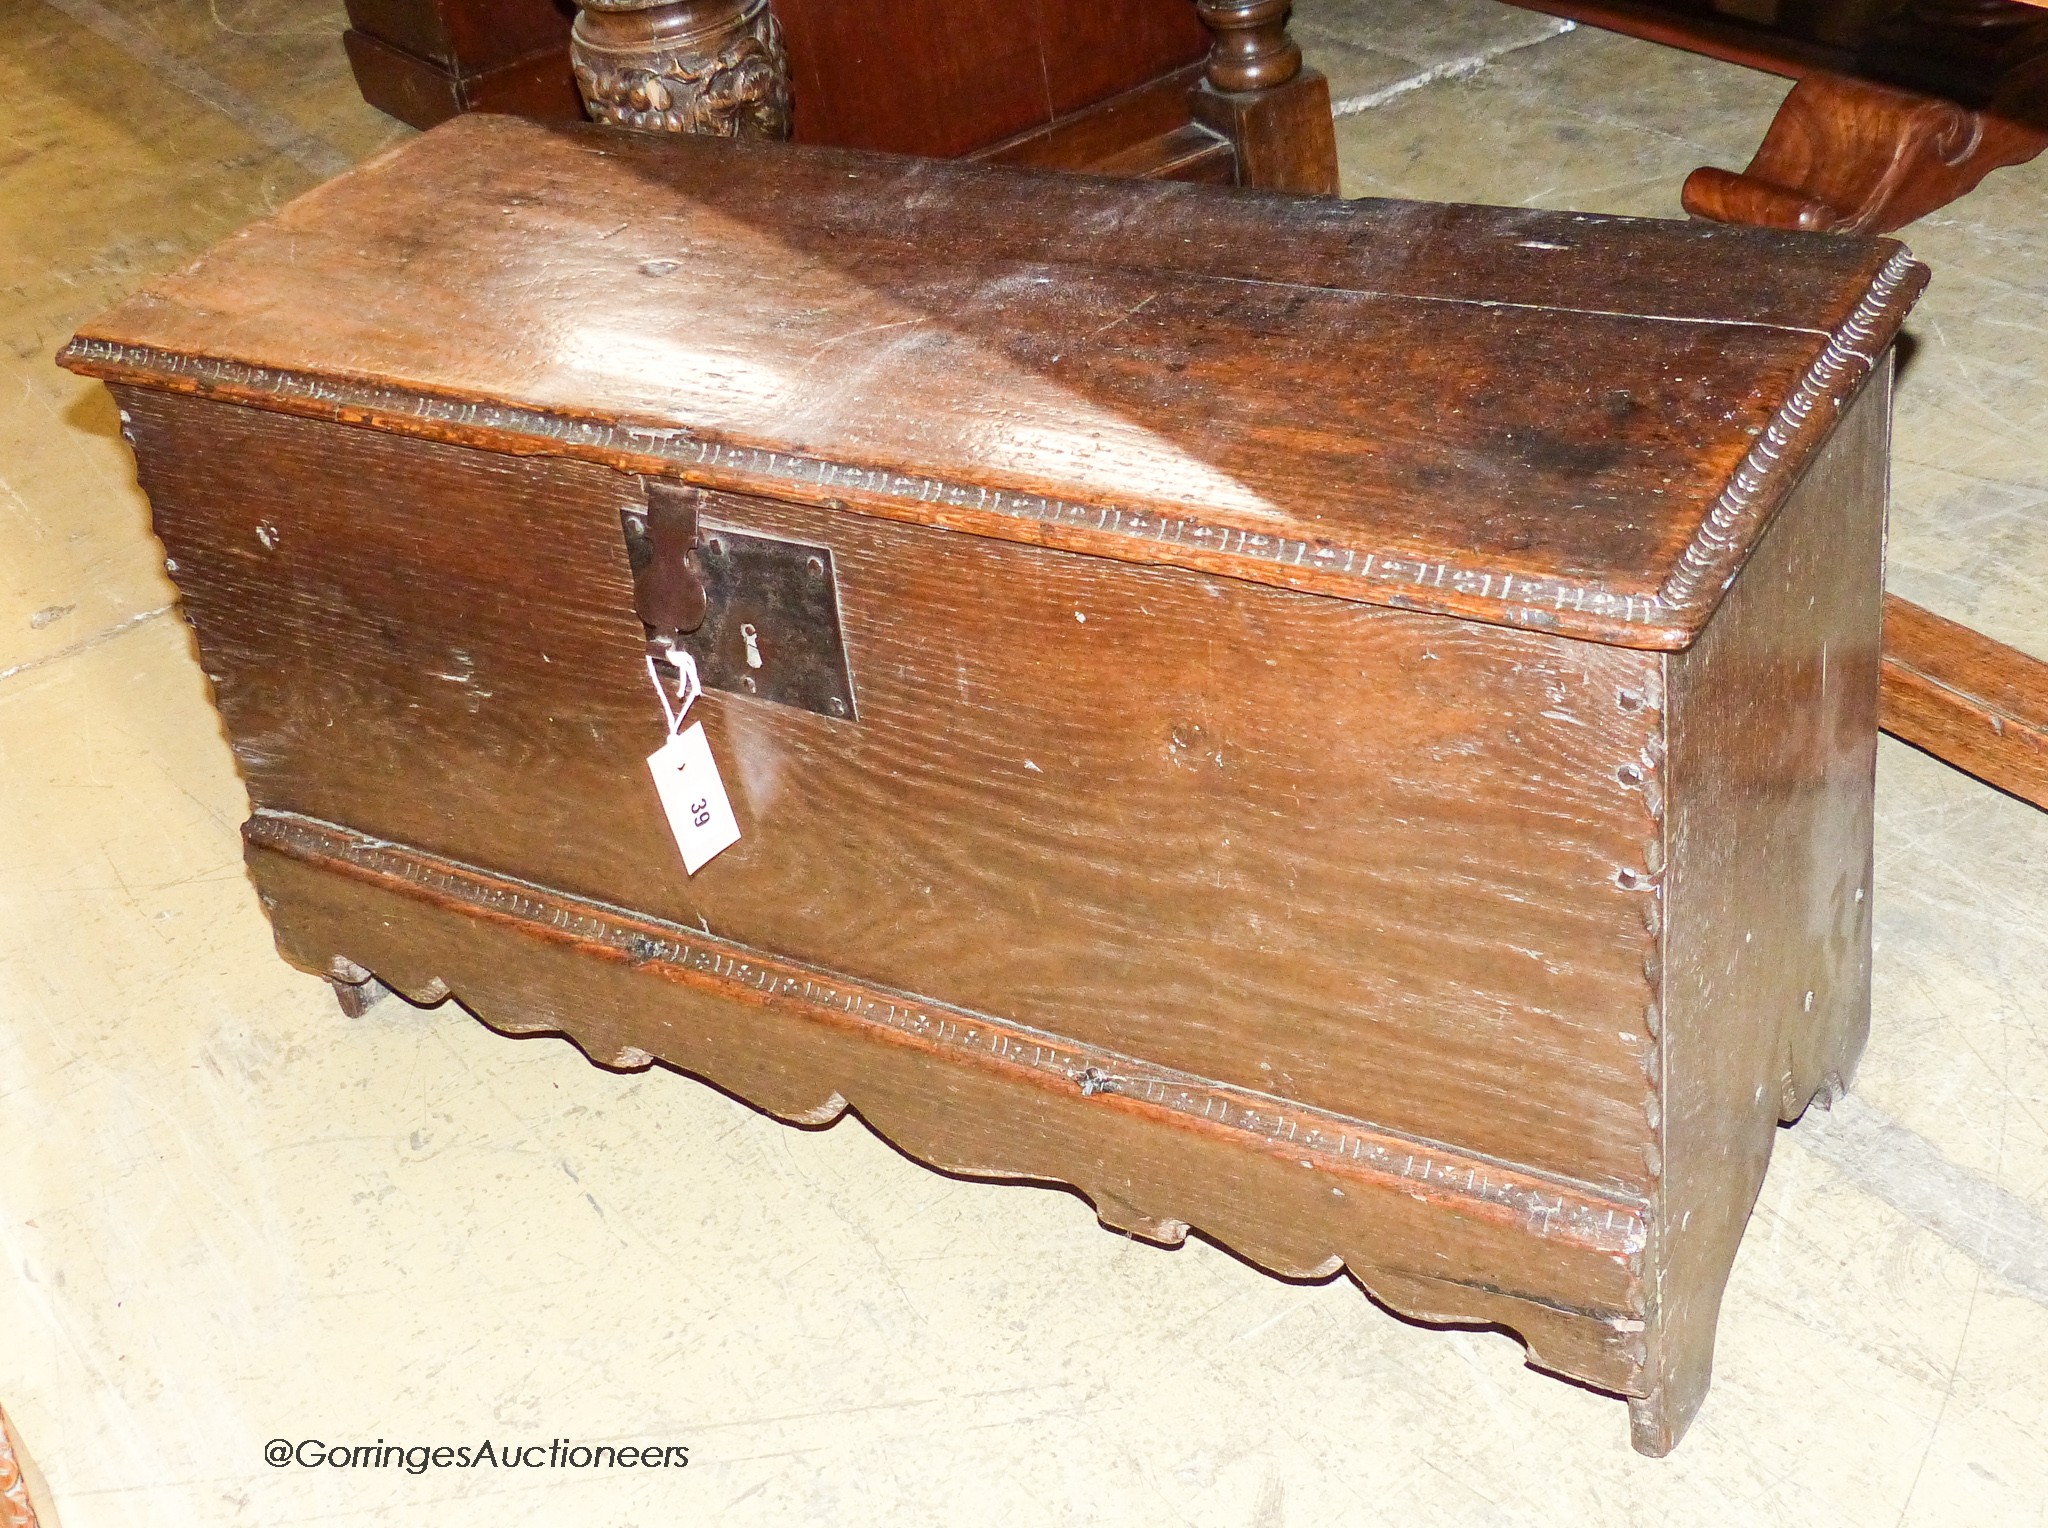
(699, 813)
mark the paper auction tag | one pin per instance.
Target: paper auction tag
(699, 813)
(685, 774)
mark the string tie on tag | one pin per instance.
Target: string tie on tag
(688, 686)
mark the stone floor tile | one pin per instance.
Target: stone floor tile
(1426, 33)
(108, 175)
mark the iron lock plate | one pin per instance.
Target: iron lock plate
(766, 610)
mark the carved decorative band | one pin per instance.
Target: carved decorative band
(1553, 1208)
(710, 67)
(1709, 563)
(1392, 577)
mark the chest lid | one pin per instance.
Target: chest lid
(1576, 423)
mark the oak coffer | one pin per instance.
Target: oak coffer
(1346, 727)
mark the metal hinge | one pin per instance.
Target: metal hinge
(661, 546)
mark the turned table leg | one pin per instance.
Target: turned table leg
(713, 67)
(1258, 94)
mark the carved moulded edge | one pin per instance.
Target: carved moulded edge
(1605, 1347)
(1392, 577)
(1553, 1208)
(1602, 1344)
(1767, 474)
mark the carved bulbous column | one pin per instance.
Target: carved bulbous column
(1253, 50)
(714, 67)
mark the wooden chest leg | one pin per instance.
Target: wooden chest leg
(358, 998)
(355, 989)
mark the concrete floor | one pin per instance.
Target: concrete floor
(229, 1215)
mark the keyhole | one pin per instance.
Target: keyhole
(753, 640)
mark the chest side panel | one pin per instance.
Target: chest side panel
(1773, 759)
(1385, 863)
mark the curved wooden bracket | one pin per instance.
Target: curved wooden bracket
(712, 67)
(1847, 156)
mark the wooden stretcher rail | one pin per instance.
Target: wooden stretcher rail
(1972, 702)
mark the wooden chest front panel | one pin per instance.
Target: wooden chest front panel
(1384, 863)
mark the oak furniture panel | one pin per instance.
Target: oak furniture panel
(1418, 826)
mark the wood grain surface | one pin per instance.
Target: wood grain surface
(943, 77)
(467, 38)
(1114, 138)
(424, 93)
(1073, 793)
(1577, 424)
